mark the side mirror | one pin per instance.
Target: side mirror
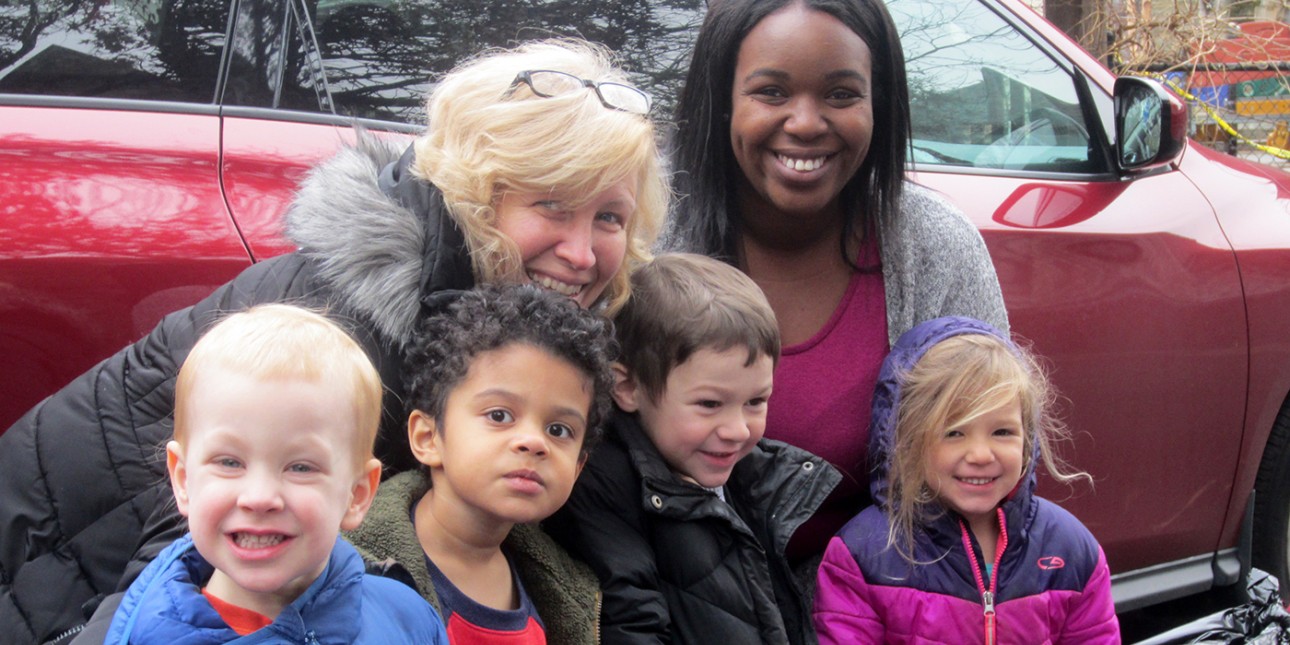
(1150, 124)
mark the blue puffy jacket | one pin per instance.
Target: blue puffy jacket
(344, 605)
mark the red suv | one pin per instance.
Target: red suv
(147, 151)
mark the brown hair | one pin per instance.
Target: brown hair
(681, 303)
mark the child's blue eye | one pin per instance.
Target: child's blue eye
(228, 462)
(300, 468)
(500, 416)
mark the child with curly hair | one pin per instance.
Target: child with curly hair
(508, 387)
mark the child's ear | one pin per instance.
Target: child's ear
(425, 439)
(360, 498)
(626, 389)
(178, 475)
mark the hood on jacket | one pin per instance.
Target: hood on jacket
(908, 350)
(380, 236)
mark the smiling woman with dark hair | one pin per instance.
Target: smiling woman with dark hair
(793, 130)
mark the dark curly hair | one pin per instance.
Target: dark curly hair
(490, 317)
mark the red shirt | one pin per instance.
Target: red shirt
(241, 620)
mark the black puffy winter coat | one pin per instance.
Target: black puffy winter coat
(676, 564)
(82, 475)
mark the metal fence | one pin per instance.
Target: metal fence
(1242, 109)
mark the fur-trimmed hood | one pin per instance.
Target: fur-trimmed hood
(380, 237)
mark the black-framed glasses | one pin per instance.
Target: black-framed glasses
(615, 96)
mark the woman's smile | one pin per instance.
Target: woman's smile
(801, 118)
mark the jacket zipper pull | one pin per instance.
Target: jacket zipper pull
(987, 599)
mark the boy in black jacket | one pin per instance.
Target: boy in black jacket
(685, 511)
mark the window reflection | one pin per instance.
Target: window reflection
(984, 96)
(165, 51)
(379, 57)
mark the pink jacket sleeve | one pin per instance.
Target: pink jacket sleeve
(1091, 616)
(843, 613)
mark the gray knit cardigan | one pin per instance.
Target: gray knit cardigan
(934, 263)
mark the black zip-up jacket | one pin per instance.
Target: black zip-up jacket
(678, 565)
(82, 475)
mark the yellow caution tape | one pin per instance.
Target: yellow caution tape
(1222, 123)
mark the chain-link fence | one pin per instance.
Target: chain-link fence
(1241, 109)
(1233, 71)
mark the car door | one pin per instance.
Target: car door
(1125, 284)
(111, 212)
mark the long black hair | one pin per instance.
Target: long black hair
(706, 219)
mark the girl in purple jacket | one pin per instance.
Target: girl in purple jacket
(958, 548)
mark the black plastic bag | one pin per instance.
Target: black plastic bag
(1261, 620)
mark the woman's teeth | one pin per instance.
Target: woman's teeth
(555, 285)
(801, 165)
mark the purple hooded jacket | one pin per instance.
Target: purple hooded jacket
(1051, 582)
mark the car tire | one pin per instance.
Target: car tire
(1272, 503)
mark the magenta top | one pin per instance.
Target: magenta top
(822, 399)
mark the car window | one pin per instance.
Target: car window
(268, 37)
(113, 49)
(984, 96)
(377, 58)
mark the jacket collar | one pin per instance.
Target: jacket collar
(174, 609)
(565, 591)
(440, 271)
(662, 491)
(776, 485)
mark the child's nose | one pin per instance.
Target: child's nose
(530, 440)
(979, 452)
(735, 428)
(261, 495)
